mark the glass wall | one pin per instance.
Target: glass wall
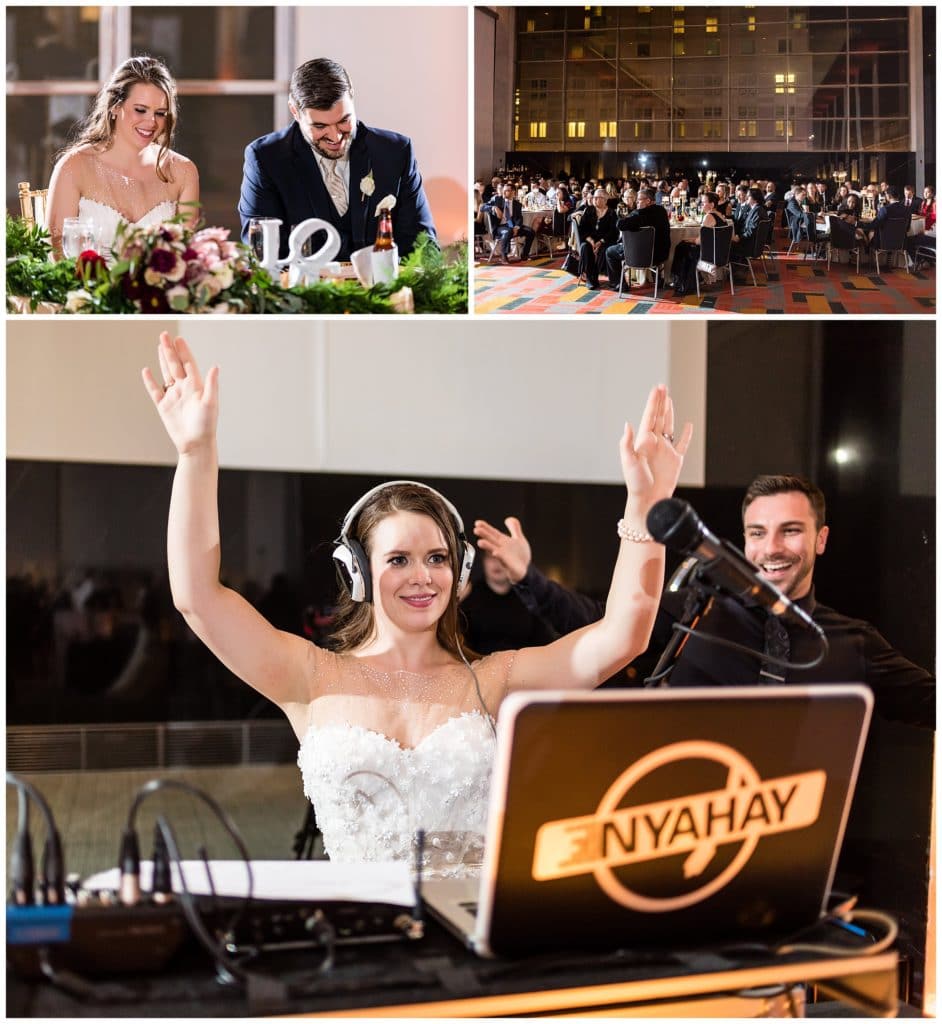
(689, 79)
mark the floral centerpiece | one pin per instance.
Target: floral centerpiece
(173, 268)
(162, 269)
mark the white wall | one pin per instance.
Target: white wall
(523, 400)
(409, 68)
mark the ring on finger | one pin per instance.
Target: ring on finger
(668, 437)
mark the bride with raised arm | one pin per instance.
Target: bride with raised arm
(395, 723)
(121, 166)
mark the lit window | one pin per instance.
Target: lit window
(712, 25)
(531, 25)
(516, 133)
(751, 23)
(607, 129)
(576, 130)
(678, 26)
(785, 84)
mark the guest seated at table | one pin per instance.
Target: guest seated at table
(508, 213)
(911, 201)
(892, 210)
(746, 226)
(597, 231)
(493, 189)
(687, 253)
(565, 204)
(924, 240)
(585, 197)
(648, 214)
(723, 202)
(801, 220)
(535, 199)
(662, 193)
(769, 197)
(629, 202)
(480, 221)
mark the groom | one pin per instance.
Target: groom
(329, 165)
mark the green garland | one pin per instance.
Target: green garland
(437, 279)
(30, 273)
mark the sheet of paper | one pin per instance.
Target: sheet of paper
(311, 881)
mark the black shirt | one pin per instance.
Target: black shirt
(857, 653)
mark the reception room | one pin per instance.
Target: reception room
(665, 113)
(114, 680)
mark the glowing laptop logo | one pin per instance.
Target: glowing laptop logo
(745, 810)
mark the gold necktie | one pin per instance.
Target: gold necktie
(336, 187)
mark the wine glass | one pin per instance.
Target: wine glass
(77, 236)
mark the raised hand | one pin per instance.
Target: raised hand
(511, 550)
(652, 458)
(188, 405)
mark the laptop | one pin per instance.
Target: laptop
(680, 818)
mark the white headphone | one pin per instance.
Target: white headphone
(355, 564)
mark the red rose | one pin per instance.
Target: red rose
(90, 267)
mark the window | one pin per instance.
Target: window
(230, 63)
(785, 83)
(678, 26)
(642, 130)
(537, 129)
(644, 49)
(576, 130)
(747, 129)
(712, 48)
(712, 25)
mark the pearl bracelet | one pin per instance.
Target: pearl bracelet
(627, 533)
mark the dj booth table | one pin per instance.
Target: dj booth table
(437, 977)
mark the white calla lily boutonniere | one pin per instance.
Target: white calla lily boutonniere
(367, 185)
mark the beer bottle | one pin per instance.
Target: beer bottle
(384, 232)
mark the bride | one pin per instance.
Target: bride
(395, 724)
(121, 166)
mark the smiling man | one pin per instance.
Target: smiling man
(785, 530)
(328, 164)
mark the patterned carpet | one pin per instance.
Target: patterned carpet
(795, 286)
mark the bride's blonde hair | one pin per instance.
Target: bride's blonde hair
(97, 129)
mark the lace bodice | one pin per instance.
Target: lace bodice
(106, 219)
(372, 793)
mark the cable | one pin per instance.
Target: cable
(228, 972)
(871, 916)
(758, 655)
(227, 822)
(488, 717)
(51, 882)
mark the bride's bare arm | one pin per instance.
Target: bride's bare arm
(651, 464)
(63, 199)
(188, 203)
(277, 664)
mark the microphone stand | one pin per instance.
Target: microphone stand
(697, 600)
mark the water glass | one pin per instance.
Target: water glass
(77, 236)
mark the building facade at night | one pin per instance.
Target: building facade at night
(616, 91)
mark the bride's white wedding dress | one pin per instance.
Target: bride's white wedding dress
(372, 791)
(106, 219)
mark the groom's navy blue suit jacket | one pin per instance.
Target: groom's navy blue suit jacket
(281, 179)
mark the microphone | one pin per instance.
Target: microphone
(677, 526)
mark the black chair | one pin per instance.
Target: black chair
(756, 251)
(489, 238)
(715, 244)
(639, 255)
(798, 232)
(843, 237)
(892, 239)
